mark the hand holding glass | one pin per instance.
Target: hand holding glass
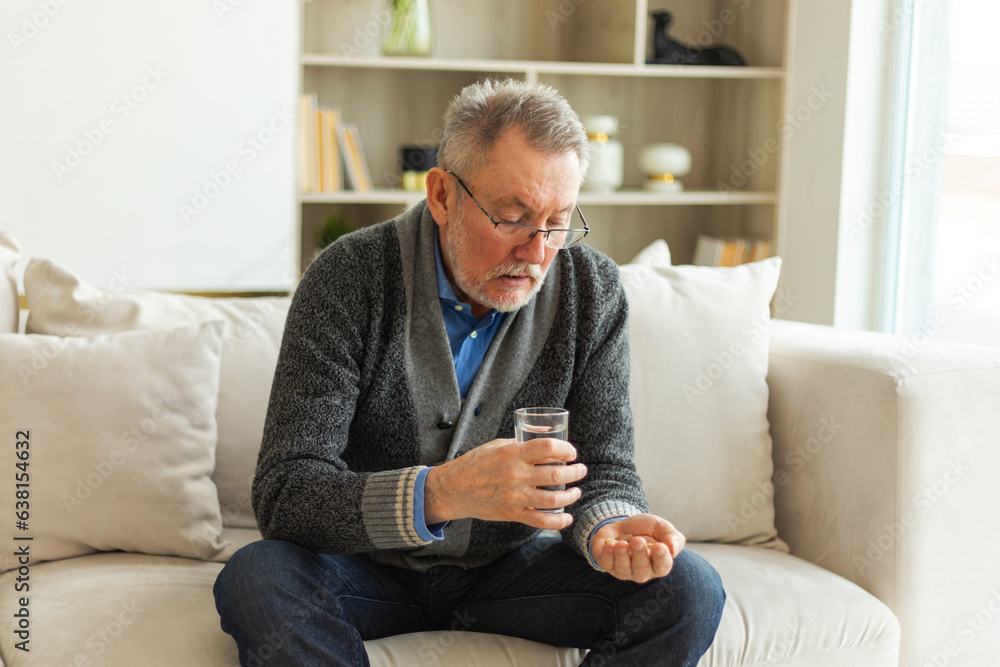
(531, 423)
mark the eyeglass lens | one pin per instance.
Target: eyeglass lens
(516, 234)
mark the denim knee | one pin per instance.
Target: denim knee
(700, 593)
(252, 571)
(690, 597)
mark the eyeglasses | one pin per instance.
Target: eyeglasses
(514, 233)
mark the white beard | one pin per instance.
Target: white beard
(459, 247)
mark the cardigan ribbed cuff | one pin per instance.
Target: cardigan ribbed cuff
(589, 520)
(387, 509)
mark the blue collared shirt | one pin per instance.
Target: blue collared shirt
(469, 338)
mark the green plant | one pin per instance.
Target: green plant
(334, 227)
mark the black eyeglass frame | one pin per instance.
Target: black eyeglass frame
(497, 223)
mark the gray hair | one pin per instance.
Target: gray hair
(480, 115)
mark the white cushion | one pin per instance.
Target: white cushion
(463, 648)
(10, 253)
(782, 610)
(120, 610)
(699, 351)
(63, 304)
(656, 253)
(152, 611)
(116, 440)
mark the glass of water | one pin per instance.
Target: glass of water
(531, 423)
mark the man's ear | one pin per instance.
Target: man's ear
(438, 190)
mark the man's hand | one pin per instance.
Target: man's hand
(639, 548)
(497, 482)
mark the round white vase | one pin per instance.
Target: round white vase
(663, 165)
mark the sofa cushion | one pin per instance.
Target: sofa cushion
(63, 304)
(782, 610)
(10, 253)
(132, 609)
(120, 610)
(699, 344)
(115, 443)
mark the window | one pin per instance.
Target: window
(944, 233)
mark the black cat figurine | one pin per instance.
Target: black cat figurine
(671, 52)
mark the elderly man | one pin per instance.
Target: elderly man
(391, 494)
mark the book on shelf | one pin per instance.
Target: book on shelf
(733, 251)
(308, 140)
(320, 159)
(354, 157)
(331, 174)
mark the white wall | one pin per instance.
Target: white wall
(815, 108)
(839, 99)
(115, 114)
(866, 187)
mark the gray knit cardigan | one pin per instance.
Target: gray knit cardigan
(365, 394)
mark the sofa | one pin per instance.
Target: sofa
(840, 482)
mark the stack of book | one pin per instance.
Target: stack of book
(326, 147)
(715, 251)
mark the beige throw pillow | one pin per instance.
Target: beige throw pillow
(62, 304)
(699, 353)
(110, 443)
(10, 253)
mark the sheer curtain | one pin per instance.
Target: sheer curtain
(944, 233)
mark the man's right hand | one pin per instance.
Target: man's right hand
(497, 482)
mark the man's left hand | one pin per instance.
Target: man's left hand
(639, 548)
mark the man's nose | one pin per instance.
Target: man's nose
(533, 251)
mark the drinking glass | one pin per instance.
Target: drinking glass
(531, 423)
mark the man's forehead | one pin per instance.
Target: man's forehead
(525, 191)
(516, 202)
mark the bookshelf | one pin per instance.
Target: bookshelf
(593, 52)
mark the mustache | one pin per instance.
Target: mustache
(516, 268)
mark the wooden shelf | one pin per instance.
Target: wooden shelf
(376, 196)
(619, 198)
(729, 118)
(687, 198)
(535, 67)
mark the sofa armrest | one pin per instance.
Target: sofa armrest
(886, 455)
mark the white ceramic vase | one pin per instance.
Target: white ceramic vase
(607, 159)
(663, 165)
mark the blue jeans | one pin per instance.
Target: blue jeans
(286, 605)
